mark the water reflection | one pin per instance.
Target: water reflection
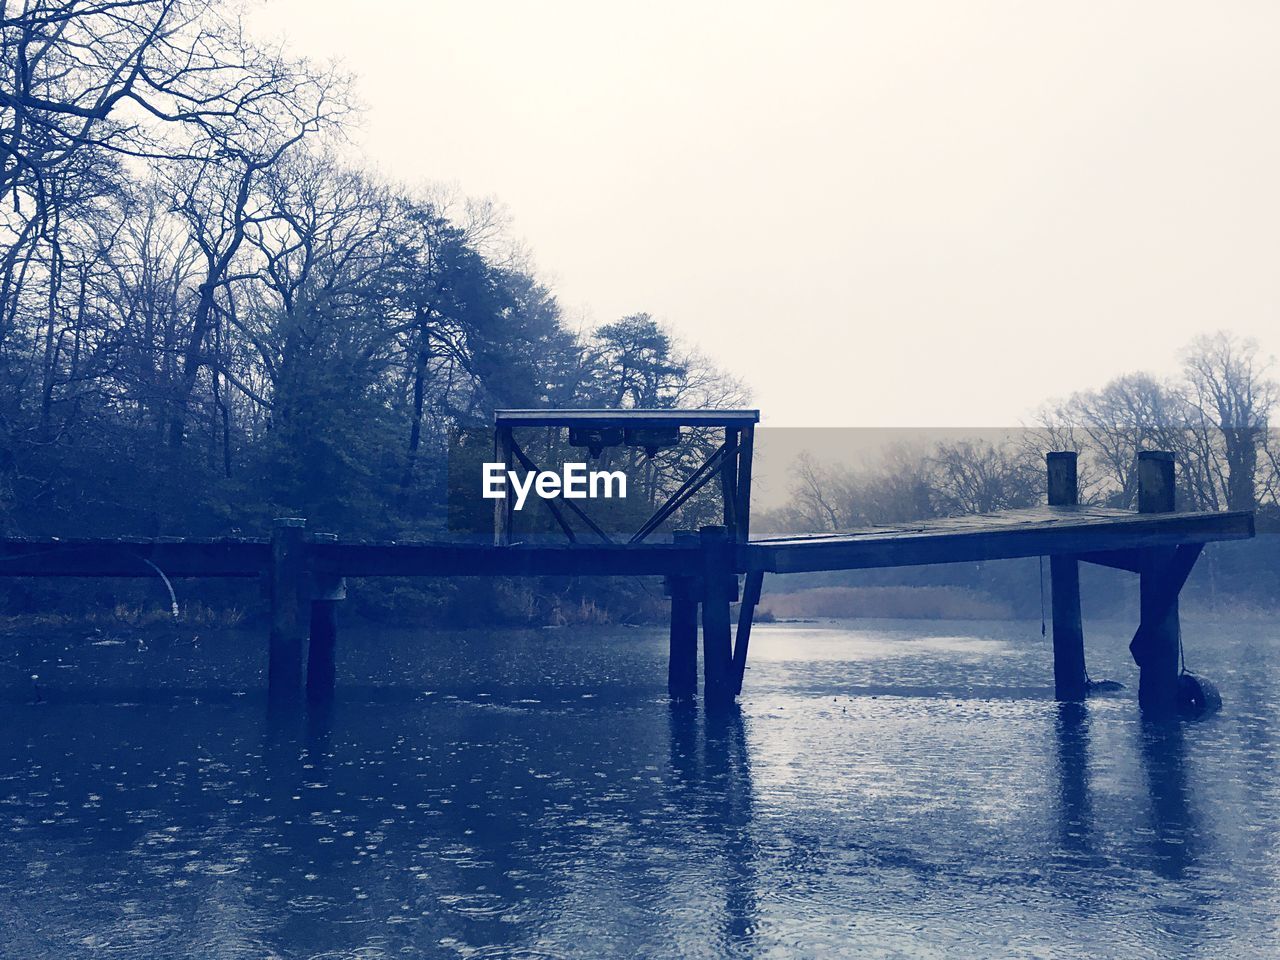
(1171, 833)
(566, 809)
(1075, 802)
(1174, 834)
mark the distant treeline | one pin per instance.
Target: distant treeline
(1215, 415)
(208, 319)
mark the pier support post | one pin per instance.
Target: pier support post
(326, 591)
(717, 629)
(1069, 675)
(682, 663)
(1156, 645)
(288, 591)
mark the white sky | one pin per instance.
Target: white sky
(888, 213)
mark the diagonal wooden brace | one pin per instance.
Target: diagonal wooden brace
(1168, 573)
(746, 614)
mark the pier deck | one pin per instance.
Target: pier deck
(1089, 532)
(1098, 534)
(305, 573)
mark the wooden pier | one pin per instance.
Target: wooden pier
(305, 572)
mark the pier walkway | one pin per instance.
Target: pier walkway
(304, 572)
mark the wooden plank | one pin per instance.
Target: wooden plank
(625, 418)
(1066, 515)
(1096, 536)
(998, 537)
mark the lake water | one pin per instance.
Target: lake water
(887, 789)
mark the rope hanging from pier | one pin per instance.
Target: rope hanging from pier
(173, 597)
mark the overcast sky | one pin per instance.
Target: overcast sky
(886, 213)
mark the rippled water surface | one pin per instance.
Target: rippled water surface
(888, 789)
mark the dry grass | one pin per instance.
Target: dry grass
(192, 614)
(907, 603)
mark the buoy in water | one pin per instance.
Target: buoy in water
(1197, 696)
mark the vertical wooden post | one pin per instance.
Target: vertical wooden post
(746, 450)
(288, 585)
(1161, 629)
(1069, 676)
(717, 628)
(682, 662)
(1156, 479)
(504, 508)
(729, 481)
(326, 590)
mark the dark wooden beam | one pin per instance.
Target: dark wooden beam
(1130, 560)
(682, 663)
(717, 630)
(1008, 535)
(705, 473)
(127, 558)
(289, 594)
(746, 454)
(641, 418)
(504, 507)
(729, 482)
(463, 560)
(1157, 644)
(327, 591)
(746, 616)
(1070, 678)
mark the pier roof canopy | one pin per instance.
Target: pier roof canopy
(625, 418)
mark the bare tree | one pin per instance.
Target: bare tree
(1231, 398)
(981, 477)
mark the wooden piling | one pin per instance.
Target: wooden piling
(1156, 647)
(717, 628)
(682, 662)
(1156, 479)
(504, 507)
(326, 591)
(288, 591)
(1070, 679)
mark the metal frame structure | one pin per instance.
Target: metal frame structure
(731, 461)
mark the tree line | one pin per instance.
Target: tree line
(207, 317)
(1215, 415)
